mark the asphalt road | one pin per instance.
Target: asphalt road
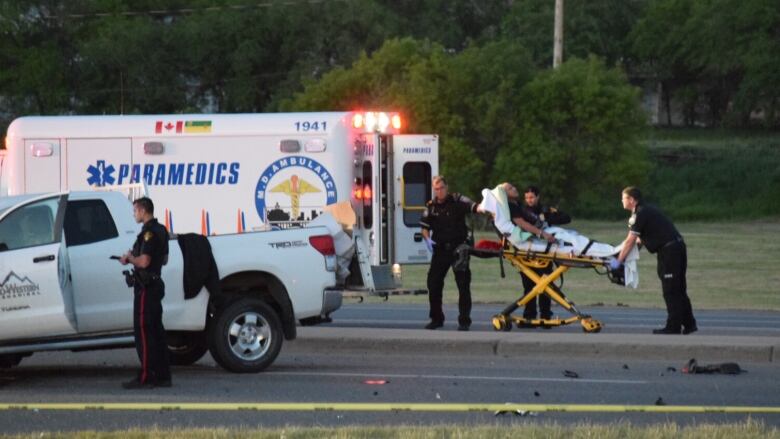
(615, 320)
(93, 378)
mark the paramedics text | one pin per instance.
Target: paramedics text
(160, 174)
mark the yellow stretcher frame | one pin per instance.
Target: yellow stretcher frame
(525, 261)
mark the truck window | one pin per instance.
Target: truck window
(417, 191)
(29, 226)
(88, 221)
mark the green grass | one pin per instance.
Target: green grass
(730, 266)
(745, 430)
(714, 174)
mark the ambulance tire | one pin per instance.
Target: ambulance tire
(246, 336)
(185, 348)
(8, 361)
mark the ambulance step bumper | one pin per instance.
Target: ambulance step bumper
(385, 293)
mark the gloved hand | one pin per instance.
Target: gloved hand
(615, 264)
(429, 243)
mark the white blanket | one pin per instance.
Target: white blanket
(568, 242)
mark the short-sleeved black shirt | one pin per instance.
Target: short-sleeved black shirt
(152, 241)
(447, 220)
(655, 229)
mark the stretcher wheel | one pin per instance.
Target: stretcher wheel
(500, 323)
(590, 325)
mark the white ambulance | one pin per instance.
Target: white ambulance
(230, 173)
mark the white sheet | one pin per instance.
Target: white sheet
(568, 241)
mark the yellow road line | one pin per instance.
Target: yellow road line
(390, 407)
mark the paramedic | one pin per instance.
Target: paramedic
(540, 216)
(149, 254)
(649, 227)
(443, 225)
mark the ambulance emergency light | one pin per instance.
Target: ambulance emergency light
(376, 121)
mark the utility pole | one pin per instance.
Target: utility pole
(558, 37)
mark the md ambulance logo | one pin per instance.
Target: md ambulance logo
(294, 189)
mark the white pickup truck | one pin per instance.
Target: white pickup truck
(59, 289)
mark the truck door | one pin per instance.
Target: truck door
(102, 299)
(35, 291)
(41, 165)
(98, 162)
(415, 162)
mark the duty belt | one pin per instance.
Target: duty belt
(677, 240)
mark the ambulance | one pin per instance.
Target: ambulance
(218, 174)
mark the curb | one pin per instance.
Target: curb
(371, 341)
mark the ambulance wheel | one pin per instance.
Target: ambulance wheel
(186, 347)
(590, 325)
(246, 336)
(500, 323)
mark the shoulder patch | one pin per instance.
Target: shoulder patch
(148, 236)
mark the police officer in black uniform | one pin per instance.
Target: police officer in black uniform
(534, 213)
(149, 254)
(649, 227)
(445, 219)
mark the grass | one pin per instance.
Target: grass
(745, 430)
(714, 174)
(730, 266)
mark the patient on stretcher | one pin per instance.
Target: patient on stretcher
(567, 242)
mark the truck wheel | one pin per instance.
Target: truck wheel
(9, 360)
(246, 336)
(186, 348)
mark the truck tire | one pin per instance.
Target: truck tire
(185, 348)
(8, 361)
(246, 336)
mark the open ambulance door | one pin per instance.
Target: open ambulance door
(415, 162)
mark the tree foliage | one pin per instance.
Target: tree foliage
(578, 136)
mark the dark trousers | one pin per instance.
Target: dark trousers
(150, 342)
(672, 264)
(545, 302)
(440, 263)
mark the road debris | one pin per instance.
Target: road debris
(723, 368)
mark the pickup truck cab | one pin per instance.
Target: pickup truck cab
(60, 290)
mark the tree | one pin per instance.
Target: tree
(470, 99)
(590, 28)
(578, 136)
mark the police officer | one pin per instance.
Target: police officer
(149, 254)
(648, 226)
(540, 217)
(444, 229)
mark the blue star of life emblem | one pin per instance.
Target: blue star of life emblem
(100, 175)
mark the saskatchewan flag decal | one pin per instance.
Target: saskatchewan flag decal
(197, 126)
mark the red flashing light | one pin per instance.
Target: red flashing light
(396, 121)
(366, 192)
(357, 120)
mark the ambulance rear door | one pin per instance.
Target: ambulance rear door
(415, 162)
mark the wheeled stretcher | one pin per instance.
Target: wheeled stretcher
(570, 250)
(525, 260)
